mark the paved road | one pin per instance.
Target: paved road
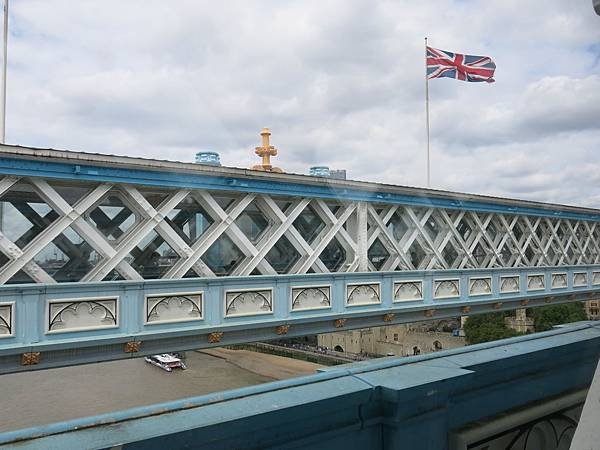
(36, 398)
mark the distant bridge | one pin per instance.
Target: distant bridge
(105, 257)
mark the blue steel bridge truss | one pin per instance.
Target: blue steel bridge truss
(60, 324)
(106, 257)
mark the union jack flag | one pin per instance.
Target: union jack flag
(441, 63)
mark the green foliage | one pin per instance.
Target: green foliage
(490, 327)
(546, 317)
(487, 327)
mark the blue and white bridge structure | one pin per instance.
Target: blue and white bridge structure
(105, 257)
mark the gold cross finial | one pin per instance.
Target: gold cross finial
(265, 152)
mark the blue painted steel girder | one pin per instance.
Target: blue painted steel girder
(311, 187)
(114, 320)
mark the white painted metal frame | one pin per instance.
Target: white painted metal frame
(437, 283)
(512, 291)
(533, 276)
(302, 288)
(562, 275)
(175, 295)
(373, 285)
(577, 276)
(81, 300)
(448, 239)
(396, 287)
(473, 281)
(227, 305)
(10, 320)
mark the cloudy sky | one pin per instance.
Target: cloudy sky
(340, 83)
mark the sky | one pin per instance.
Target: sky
(339, 83)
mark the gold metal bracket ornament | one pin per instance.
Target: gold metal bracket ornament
(282, 329)
(215, 337)
(429, 312)
(466, 309)
(388, 317)
(132, 346)
(30, 358)
(340, 323)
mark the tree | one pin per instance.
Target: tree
(490, 327)
(546, 317)
(487, 327)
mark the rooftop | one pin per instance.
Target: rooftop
(40, 157)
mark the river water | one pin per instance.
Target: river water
(36, 398)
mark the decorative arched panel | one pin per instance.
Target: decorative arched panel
(248, 302)
(82, 314)
(177, 307)
(311, 297)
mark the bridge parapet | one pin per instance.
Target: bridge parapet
(502, 394)
(71, 217)
(59, 324)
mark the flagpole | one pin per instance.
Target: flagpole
(3, 86)
(426, 117)
(3, 96)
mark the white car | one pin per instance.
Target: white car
(166, 361)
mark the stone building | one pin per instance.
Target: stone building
(520, 322)
(400, 340)
(592, 309)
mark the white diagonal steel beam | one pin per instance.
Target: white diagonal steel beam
(210, 235)
(304, 249)
(247, 267)
(91, 235)
(331, 233)
(68, 216)
(166, 232)
(134, 237)
(233, 231)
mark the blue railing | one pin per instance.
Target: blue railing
(43, 325)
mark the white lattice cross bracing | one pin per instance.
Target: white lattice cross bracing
(57, 231)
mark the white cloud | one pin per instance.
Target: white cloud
(339, 84)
